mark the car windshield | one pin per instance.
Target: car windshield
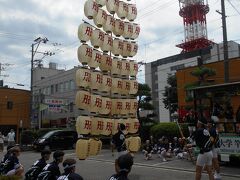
(48, 134)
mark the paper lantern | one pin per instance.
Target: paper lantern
(117, 47)
(134, 49)
(125, 68)
(122, 10)
(117, 86)
(127, 47)
(107, 127)
(134, 106)
(117, 106)
(96, 80)
(126, 122)
(106, 106)
(136, 31)
(134, 125)
(126, 106)
(106, 63)
(90, 9)
(84, 32)
(109, 25)
(116, 123)
(106, 83)
(134, 144)
(95, 147)
(95, 60)
(100, 18)
(112, 6)
(97, 126)
(119, 28)
(132, 12)
(133, 68)
(125, 87)
(101, 2)
(83, 124)
(82, 149)
(116, 66)
(83, 100)
(84, 54)
(107, 43)
(83, 77)
(133, 87)
(97, 38)
(96, 103)
(128, 30)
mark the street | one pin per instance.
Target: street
(102, 166)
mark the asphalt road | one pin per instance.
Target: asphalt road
(102, 166)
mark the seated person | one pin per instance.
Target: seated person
(147, 150)
(164, 151)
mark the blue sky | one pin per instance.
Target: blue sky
(22, 21)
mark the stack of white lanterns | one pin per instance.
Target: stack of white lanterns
(107, 79)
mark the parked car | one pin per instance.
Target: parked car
(57, 139)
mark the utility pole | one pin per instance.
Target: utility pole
(225, 42)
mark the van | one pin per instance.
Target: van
(57, 139)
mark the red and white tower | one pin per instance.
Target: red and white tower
(195, 26)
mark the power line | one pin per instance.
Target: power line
(233, 6)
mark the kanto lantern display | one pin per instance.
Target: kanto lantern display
(107, 43)
(125, 68)
(117, 85)
(96, 80)
(116, 66)
(83, 77)
(94, 147)
(96, 103)
(101, 2)
(125, 87)
(106, 63)
(107, 127)
(127, 47)
(126, 106)
(132, 12)
(100, 18)
(95, 60)
(134, 49)
(97, 38)
(82, 149)
(83, 100)
(97, 126)
(128, 30)
(84, 54)
(90, 9)
(84, 32)
(106, 106)
(112, 6)
(134, 106)
(134, 125)
(83, 124)
(122, 10)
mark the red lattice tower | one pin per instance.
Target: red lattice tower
(195, 26)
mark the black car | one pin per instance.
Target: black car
(57, 139)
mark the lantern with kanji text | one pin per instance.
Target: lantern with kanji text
(117, 47)
(95, 60)
(107, 127)
(133, 68)
(100, 18)
(134, 125)
(101, 2)
(83, 124)
(107, 43)
(133, 87)
(90, 9)
(128, 30)
(96, 103)
(106, 106)
(84, 54)
(134, 49)
(116, 66)
(134, 107)
(83, 100)
(136, 31)
(119, 28)
(97, 38)
(122, 10)
(97, 125)
(127, 47)
(83, 77)
(112, 6)
(109, 24)
(106, 84)
(125, 68)
(132, 12)
(96, 80)
(117, 86)
(84, 32)
(106, 63)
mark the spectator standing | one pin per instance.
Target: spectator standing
(123, 166)
(69, 166)
(11, 138)
(1, 142)
(118, 141)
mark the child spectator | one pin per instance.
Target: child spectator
(147, 150)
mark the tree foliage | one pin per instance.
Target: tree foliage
(170, 94)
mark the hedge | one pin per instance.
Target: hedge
(168, 129)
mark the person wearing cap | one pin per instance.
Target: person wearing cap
(53, 167)
(69, 166)
(118, 140)
(215, 148)
(123, 166)
(204, 142)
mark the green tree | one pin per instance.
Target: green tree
(170, 94)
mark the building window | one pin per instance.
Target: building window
(61, 87)
(67, 85)
(9, 105)
(52, 89)
(177, 67)
(56, 87)
(72, 84)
